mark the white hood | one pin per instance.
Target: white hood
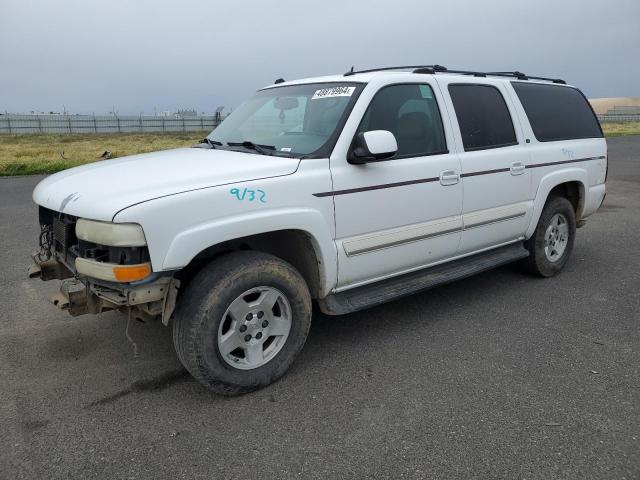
(99, 190)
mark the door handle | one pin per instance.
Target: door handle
(517, 168)
(449, 177)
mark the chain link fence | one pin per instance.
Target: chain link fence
(621, 113)
(14, 124)
(609, 117)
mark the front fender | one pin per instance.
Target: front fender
(187, 244)
(179, 227)
(548, 183)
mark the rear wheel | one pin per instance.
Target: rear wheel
(242, 321)
(552, 242)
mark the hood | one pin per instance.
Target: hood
(99, 190)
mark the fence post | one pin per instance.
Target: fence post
(69, 122)
(164, 127)
(118, 122)
(184, 126)
(9, 123)
(95, 125)
(39, 124)
(140, 120)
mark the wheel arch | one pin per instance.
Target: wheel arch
(573, 191)
(295, 246)
(570, 183)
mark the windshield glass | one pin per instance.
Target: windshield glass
(294, 120)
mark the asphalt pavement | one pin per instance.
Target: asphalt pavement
(501, 375)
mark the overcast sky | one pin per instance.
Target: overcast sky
(137, 55)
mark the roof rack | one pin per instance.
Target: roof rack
(522, 76)
(433, 69)
(405, 67)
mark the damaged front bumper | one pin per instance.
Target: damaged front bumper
(82, 295)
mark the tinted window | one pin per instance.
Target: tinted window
(483, 117)
(411, 113)
(557, 113)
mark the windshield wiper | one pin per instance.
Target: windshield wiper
(262, 149)
(211, 143)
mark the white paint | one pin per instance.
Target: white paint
(103, 188)
(380, 142)
(491, 215)
(397, 236)
(379, 210)
(205, 217)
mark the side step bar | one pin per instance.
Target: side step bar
(381, 292)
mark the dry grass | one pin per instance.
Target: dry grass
(617, 129)
(31, 154)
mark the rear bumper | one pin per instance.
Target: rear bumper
(593, 199)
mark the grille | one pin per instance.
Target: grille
(64, 234)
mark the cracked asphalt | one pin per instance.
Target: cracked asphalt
(501, 375)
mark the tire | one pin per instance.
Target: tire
(547, 258)
(207, 324)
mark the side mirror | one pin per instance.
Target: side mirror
(373, 146)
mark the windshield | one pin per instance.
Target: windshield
(291, 121)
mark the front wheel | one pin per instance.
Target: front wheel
(552, 242)
(242, 321)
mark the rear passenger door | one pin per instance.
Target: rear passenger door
(494, 159)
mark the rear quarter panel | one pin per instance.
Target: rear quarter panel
(556, 162)
(553, 163)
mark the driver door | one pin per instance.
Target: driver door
(402, 213)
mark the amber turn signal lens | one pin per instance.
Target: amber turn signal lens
(131, 273)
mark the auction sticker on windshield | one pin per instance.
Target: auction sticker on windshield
(333, 92)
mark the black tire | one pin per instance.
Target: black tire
(537, 262)
(202, 306)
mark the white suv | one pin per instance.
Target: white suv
(350, 190)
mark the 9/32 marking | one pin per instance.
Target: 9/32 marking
(249, 195)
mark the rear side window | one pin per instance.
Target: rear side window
(483, 117)
(557, 113)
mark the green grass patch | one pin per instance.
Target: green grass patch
(40, 154)
(618, 129)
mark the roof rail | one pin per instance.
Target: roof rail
(516, 74)
(442, 69)
(433, 69)
(379, 69)
(522, 76)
